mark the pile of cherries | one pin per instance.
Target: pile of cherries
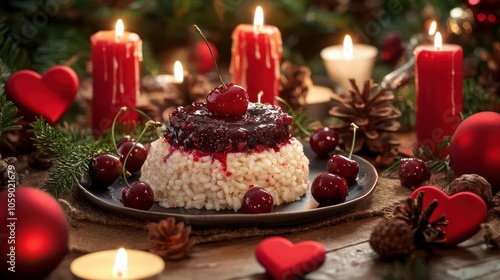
(106, 168)
(331, 187)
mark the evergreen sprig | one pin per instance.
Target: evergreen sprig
(71, 149)
(8, 110)
(436, 161)
(70, 156)
(68, 171)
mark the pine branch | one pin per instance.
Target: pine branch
(71, 150)
(435, 162)
(69, 154)
(68, 171)
(51, 141)
(13, 56)
(8, 111)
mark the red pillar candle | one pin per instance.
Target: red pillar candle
(438, 79)
(256, 58)
(116, 57)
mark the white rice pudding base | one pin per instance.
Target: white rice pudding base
(181, 179)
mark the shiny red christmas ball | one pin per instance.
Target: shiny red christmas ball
(475, 147)
(33, 233)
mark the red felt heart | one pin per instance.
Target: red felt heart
(48, 96)
(465, 212)
(283, 259)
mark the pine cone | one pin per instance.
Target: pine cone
(425, 232)
(5, 172)
(392, 239)
(169, 239)
(375, 116)
(295, 84)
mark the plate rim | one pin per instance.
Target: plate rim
(247, 219)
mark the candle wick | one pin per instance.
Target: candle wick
(257, 28)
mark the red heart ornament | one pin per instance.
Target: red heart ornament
(48, 96)
(283, 259)
(465, 212)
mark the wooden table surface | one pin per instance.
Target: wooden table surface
(349, 256)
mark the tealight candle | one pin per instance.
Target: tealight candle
(349, 61)
(256, 58)
(116, 56)
(117, 264)
(438, 80)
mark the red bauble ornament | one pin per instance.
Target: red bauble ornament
(464, 211)
(285, 260)
(201, 57)
(475, 147)
(48, 96)
(392, 47)
(33, 233)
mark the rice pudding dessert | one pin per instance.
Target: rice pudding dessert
(205, 161)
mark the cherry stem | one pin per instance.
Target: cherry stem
(124, 170)
(147, 126)
(211, 53)
(115, 120)
(354, 126)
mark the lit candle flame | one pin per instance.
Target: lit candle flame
(178, 72)
(438, 41)
(120, 266)
(119, 29)
(348, 48)
(258, 20)
(433, 28)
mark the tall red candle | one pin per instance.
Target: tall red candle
(116, 57)
(256, 58)
(438, 79)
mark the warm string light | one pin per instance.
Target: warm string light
(119, 30)
(348, 48)
(258, 20)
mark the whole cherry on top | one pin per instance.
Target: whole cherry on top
(343, 166)
(227, 99)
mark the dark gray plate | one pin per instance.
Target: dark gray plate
(298, 212)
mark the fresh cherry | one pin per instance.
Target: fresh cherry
(323, 141)
(228, 100)
(329, 189)
(344, 167)
(136, 158)
(104, 169)
(138, 196)
(257, 200)
(413, 172)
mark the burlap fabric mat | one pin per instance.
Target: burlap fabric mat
(93, 229)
